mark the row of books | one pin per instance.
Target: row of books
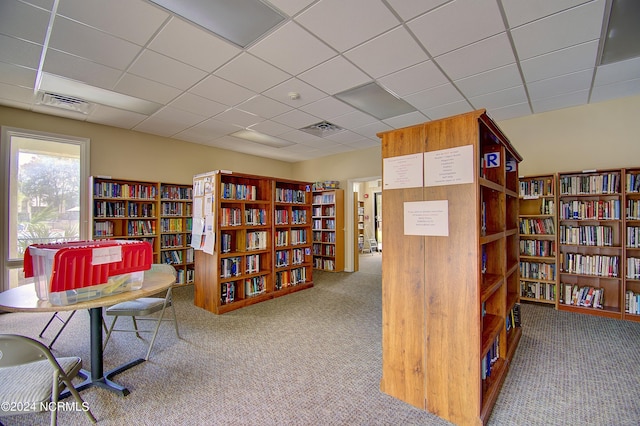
(632, 302)
(170, 192)
(141, 227)
(173, 240)
(238, 191)
(490, 359)
(171, 225)
(536, 188)
(226, 241)
(326, 264)
(254, 286)
(171, 208)
(633, 209)
(513, 318)
(256, 240)
(292, 237)
(587, 296)
(125, 190)
(281, 217)
(298, 217)
(230, 216)
(597, 265)
(538, 270)
(587, 235)
(175, 257)
(227, 292)
(121, 209)
(590, 210)
(284, 195)
(538, 290)
(252, 264)
(537, 226)
(290, 278)
(324, 199)
(324, 237)
(255, 217)
(633, 236)
(633, 182)
(604, 183)
(544, 248)
(633, 268)
(103, 229)
(185, 276)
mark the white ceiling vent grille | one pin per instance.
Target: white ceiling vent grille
(322, 129)
(69, 103)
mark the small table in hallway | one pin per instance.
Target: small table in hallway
(24, 299)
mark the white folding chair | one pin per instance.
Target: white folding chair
(142, 310)
(32, 378)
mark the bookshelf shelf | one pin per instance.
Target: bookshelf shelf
(156, 212)
(328, 230)
(260, 245)
(448, 299)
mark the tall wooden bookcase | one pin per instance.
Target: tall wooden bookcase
(538, 239)
(631, 249)
(450, 278)
(156, 212)
(259, 243)
(328, 230)
(591, 247)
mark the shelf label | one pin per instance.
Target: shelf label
(426, 218)
(452, 166)
(492, 159)
(102, 255)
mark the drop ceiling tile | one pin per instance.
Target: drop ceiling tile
(353, 120)
(560, 62)
(615, 90)
(323, 76)
(238, 118)
(328, 107)
(447, 110)
(457, 24)
(425, 75)
(307, 93)
(18, 52)
(520, 12)
(223, 91)
(406, 120)
(475, 58)
(252, 73)
(559, 102)
(198, 105)
(22, 95)
(555, 86)
(509, 112)
(304, 138)
(618, 72)
(345, 24)
(430, 98)
(115, 117)
(76, 68)
(296, 119)
(165, 70)
(387, 53)
(292, 49)
(500, 98)
(291, 7)
(270, 127)
(345, 136)
(408, 9)
(86, 42)
(146, 89)
(213, 128)
(552, 33)
(23, 21)
(17, 76)
(364, 143)
(168, 121)
(490, 81)
(132, 20)
(263, 106)
(45, 4)
(177, 34)
(371, 130)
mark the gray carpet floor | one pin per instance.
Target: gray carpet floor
(314, 358)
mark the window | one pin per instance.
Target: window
(44, 190)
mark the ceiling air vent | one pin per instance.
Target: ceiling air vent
(69, 103)
(322, 129)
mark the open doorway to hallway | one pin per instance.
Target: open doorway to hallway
(363, 220)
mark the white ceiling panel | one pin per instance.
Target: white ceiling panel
(387, 53)
(444, 57)
(457, 24)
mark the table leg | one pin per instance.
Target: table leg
(97, 377)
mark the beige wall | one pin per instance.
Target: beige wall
(595, 136)
(132, 155)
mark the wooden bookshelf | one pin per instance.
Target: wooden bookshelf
(175, 230)
(258, 246)
(360, 226)
(631, 256)
(328, 230)
(538, 239)
(448, 292)
(156, 212)
(591, 242)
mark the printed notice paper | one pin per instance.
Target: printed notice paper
(453, 166)
(404, 171)
(426, 218)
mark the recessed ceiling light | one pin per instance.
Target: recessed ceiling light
(623, 32)
(261, 138)
(239, 21)
(375, 100)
